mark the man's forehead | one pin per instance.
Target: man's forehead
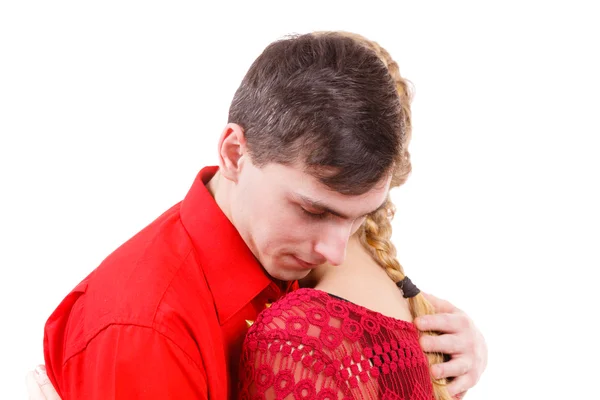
(307, 187)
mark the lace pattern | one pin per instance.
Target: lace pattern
(311, 345)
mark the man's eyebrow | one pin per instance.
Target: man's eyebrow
(322, 207)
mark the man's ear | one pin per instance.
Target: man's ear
(232, 150)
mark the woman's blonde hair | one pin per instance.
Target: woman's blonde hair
(375, 234)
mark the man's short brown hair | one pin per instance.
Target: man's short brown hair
(326, 101)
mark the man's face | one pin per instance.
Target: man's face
(292, 222)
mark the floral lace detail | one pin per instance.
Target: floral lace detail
(310, 345)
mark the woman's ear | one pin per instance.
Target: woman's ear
(232, 149)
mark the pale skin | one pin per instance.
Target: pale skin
(303, 226)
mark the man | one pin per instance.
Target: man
(314, 128)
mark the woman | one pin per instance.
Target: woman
(350, 336)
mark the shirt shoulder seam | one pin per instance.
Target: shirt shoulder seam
(100, 331)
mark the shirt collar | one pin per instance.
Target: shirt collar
(233, 274)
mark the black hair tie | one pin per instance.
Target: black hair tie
(408, 288)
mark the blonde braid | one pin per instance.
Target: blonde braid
(375, 233)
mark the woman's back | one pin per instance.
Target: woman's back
(311, 344)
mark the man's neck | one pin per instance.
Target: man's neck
(218, 189)
(212, 184)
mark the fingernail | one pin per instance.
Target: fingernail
(422, 323)
(40, 375)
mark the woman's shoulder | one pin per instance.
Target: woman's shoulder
(291, 306)
(295, 313)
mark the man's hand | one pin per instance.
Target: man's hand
(460, 339)
(39, 386)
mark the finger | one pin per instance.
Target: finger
(44, 383)
(440, 305)
(460, 385)
(454, 368)
(33, 389)
(447, 323)
(447, 344)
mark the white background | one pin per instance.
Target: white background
(108, 110)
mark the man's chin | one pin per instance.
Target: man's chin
(286, 275)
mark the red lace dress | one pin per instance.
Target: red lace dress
(312, 345)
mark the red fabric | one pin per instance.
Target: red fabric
(163, 317)
(310, 345)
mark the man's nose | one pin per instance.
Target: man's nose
(333, 242)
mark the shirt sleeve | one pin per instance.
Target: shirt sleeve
(283, 373)
(277, 363)
(132, 362)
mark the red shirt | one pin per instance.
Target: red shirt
(163, 317)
